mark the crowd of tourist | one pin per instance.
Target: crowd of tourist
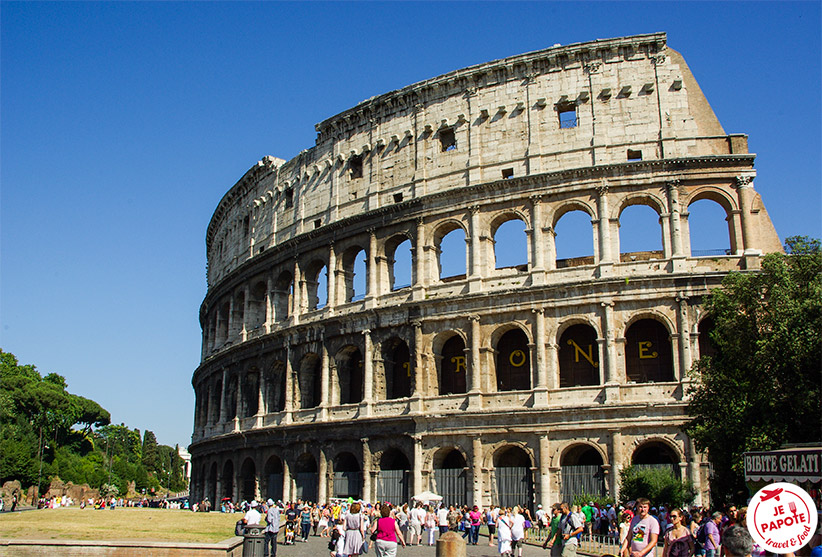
(636, 529)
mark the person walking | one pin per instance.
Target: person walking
(354, 529)
(678, 539)
(570, 526)
(504, 532)
(643, 532)
(388, 533)
(272, 529)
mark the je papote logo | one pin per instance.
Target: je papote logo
(782, 517)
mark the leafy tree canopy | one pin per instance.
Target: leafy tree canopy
(763, 386)
(660, 485)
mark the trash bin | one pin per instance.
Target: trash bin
(254, 541)
(451, 544)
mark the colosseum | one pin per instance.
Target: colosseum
(350, 350)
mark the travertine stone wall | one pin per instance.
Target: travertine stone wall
(483, 373)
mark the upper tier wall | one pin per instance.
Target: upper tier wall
(595, 103)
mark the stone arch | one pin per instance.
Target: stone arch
(306, 479)
(639, 198)
(347, 476)
(513, 359)
(308, 380)
(578, 354)
(569, 249)
(582, 472)
(275, 387)
(274, 478)
(227, 481)
(393, 477)
(516, 241)
(256, 304)
(452, 364)
(251, 391)
(442, 230)
(282, 296)
(513, 475)
(565, 207)
(396, 252)
(211, 489)
(649, 355)
(248, 480)
(398, 375)
(349, 367)
(354, 283)
(705, 327)
(238, 318)
(450, 475)
(315, 275)
(701, 218)
(657, 452)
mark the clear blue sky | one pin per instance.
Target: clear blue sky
(123, 124)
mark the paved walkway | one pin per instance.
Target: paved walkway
(317, 547)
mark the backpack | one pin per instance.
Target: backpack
(702, 534)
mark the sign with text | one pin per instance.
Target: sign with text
(782, 517)
(795, 465)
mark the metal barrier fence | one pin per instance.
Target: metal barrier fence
(590, 544)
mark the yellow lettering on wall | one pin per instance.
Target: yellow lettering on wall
(589, 356)
(460, 363)
(517, 358)
(407, 367)
(644, 348)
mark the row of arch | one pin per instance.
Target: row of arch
(450, 473)
(460, 247)
(648, 357)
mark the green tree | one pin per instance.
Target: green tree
(660, 485)
(151, 455)
(763, 386)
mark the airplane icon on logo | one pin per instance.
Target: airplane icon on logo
(771, 494)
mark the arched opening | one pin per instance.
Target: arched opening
(451, 477)
(238, 317)
(231, 403)
(513, 362)
(355, 269)
(248, 480)
(222, 323)
(637, 242)
(400, 265)
(707, 347)
(453, 367)
(211, 489)
(305, 478)
(655, 454)
(350, 375)
(274, 478)
(227, 482)
(347, 477)
(308, 378)
(578, 356)
(452, 255)
(648, 353)
(251, 392)
(393, 476)
(216, 401)
(582, 472)
(256, 305)
(511, 245)
(275, 384)
(709, 229)
(397, 362)
(574, 239)
(283, 291)
(316, 285)
(514, 479)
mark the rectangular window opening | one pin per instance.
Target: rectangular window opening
(397, 197)
(318, 223)
(355, 164)
(507, 173)
(448, 139)
(634, 155)
(567, 115)
(289, 198)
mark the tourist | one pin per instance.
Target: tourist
(517, 530)
(503, 532)
(643, 532)
(354, 529)
(476, 521)
(272, 529)
(491, 521)
(737, 542)
(442, 519)
(416, 518)
(678, 539)
(252, 516)
(401, 514)
(305, 522)
(570, 526)
(554, 539)
(430, 524)
(388, 533)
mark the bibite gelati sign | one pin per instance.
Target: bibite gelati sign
(782, 517)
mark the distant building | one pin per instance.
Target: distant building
(186, 456)
(524, 384)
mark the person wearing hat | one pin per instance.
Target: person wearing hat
(252, 516)
(272, 529)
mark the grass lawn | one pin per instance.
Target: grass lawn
(121, 524)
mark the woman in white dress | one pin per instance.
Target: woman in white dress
(354, 528)
(504, 532)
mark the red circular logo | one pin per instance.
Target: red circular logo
(782, 517)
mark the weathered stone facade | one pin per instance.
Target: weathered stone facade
(519, 384)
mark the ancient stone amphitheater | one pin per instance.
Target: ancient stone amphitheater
(427, 367)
